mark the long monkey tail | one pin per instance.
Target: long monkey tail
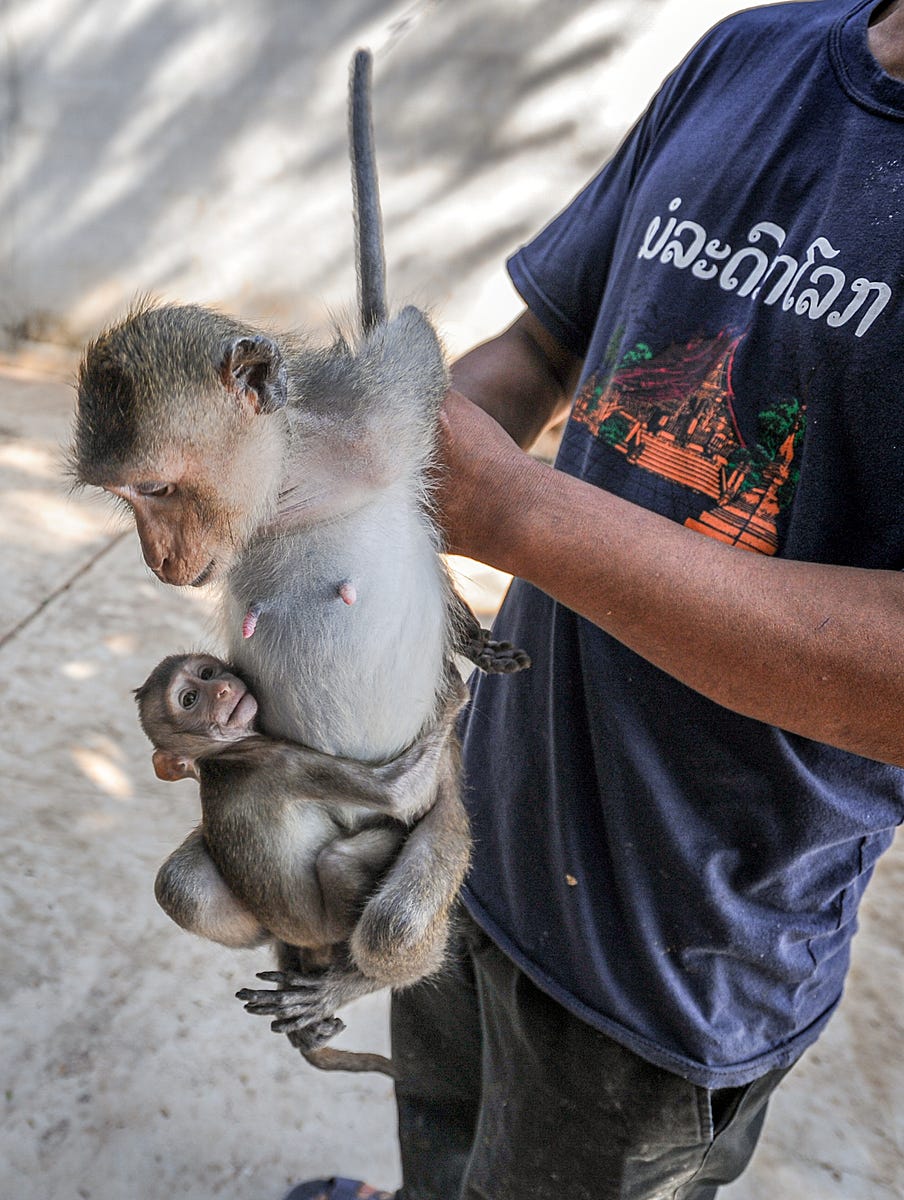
(325, 1058)
(370, 259)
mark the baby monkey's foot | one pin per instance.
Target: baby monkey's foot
(298, 1000)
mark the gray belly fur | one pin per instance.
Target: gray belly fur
(357, 680)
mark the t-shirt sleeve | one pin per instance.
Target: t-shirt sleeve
(561, 275)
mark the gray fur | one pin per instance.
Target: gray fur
(297, 478)
(360, 681)
(368, 221)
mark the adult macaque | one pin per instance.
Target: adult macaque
(292, 842)
(297, 478)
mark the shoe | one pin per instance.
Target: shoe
(337, 1189)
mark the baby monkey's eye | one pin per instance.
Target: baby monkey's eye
(188, 699)
(206, 673)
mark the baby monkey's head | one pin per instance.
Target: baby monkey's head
(190, 705)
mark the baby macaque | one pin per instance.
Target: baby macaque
(292, 842)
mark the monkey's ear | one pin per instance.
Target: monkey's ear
(172, 767)
(254, 367)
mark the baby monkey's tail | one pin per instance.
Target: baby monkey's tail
(325, 1058)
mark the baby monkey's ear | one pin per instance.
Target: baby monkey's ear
(172, 767)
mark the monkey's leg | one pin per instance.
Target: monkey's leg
(401, 935)
(402, 932)
(348, 869)
(476, 644)
(191, 891)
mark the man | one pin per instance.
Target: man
(677, 810)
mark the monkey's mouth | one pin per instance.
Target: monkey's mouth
(205, 574)
(244, 711)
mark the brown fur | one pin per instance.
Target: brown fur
(294, 845)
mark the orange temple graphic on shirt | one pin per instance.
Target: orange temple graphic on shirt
(673, 416)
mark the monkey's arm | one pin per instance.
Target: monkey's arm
(812, 648)
(191, 891)
(403, 788)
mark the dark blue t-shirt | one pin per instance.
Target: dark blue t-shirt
(684, 878)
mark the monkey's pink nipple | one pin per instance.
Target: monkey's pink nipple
(249, 624)
(347, 592)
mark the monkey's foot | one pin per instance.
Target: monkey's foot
(312, 1037)
(494, 658)
(476, 643)
(302, 1000)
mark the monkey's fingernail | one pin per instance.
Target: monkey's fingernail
(347, 591)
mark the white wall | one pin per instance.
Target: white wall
(196, 148)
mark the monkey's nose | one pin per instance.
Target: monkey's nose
(155, 560)
(165, 569)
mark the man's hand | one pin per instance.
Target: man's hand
(505, 393)
(481, 464)
(814, 649)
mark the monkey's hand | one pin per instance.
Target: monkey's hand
(312, 1037)
(302, 1000)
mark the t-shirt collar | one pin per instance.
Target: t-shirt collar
(859, 73)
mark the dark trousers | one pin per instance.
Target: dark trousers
(503, 1095)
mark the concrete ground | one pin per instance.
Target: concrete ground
(126, 1067)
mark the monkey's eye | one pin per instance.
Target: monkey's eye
(157, 490)
(206, 673)
(188, 698)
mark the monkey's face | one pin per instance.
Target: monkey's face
(187, 533)
(179, 414)
(203, 697)
(176, 518)
(195, 509)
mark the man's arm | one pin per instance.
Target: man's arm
(523, 378)
(817, 650)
